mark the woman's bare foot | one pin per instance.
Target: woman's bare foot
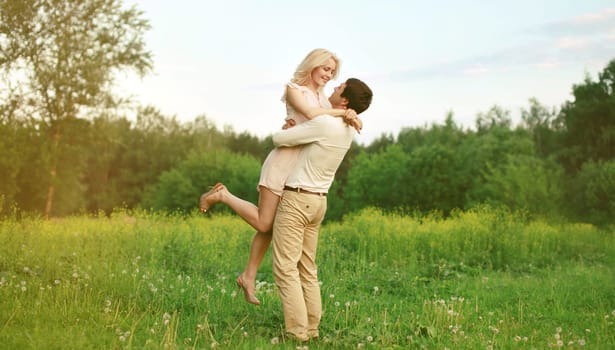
(212, 197)
(248, 289)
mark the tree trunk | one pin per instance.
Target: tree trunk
(50, 193)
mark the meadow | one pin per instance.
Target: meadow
(481, 279)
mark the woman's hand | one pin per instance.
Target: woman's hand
(289, 124)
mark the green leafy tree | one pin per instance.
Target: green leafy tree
(63, 55)
(495, 117)
(525, 182)
(433, 179)
(109, 139)
(542, 125)
(378, 179)
(489, 147)
(589, 121)
(594, 187)
(181, 187)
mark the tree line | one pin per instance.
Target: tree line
(66, 147)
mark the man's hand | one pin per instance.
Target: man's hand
(351, 118)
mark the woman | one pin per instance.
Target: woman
(304, 100)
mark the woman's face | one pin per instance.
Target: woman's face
(322, 74)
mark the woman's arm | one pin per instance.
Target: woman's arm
(295, 98)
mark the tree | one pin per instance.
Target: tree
(525, 182)
(541, 124)
(594, 192)
(179, 188)
(589, 121)
(63, 55)
(496, 117)
(378, 179)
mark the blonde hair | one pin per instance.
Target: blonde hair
(314, 59)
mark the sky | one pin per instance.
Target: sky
(230, 59)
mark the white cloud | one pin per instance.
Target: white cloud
(575, 43)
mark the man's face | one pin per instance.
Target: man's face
(336, 99)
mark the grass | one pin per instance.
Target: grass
(482, 279)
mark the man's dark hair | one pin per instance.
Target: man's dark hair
(358, 94)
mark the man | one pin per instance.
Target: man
(303, 206)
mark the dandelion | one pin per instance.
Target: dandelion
(369, 339)
(275, 340)
(571, 343)
(347, 304)
(23, 288)
(376, 289)
(581, 342)
(517, 338)
(558, 329)
(332, 296)
(122, 338)
(152, 331)
(587, 330)
(337, 303)
(223, 291)
(557, 336)
(360, 346)
(560, 343)
(26, 269)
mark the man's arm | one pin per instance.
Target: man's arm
(304, 133)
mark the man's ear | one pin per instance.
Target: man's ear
(344, 102)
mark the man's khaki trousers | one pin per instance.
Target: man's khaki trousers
(295, 238)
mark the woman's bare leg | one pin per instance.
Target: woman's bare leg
(247, 279)
(261, 218)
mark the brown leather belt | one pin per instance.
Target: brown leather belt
(300, 190)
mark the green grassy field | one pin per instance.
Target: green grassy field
(483, 279)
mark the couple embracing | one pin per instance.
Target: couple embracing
(293, 186)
